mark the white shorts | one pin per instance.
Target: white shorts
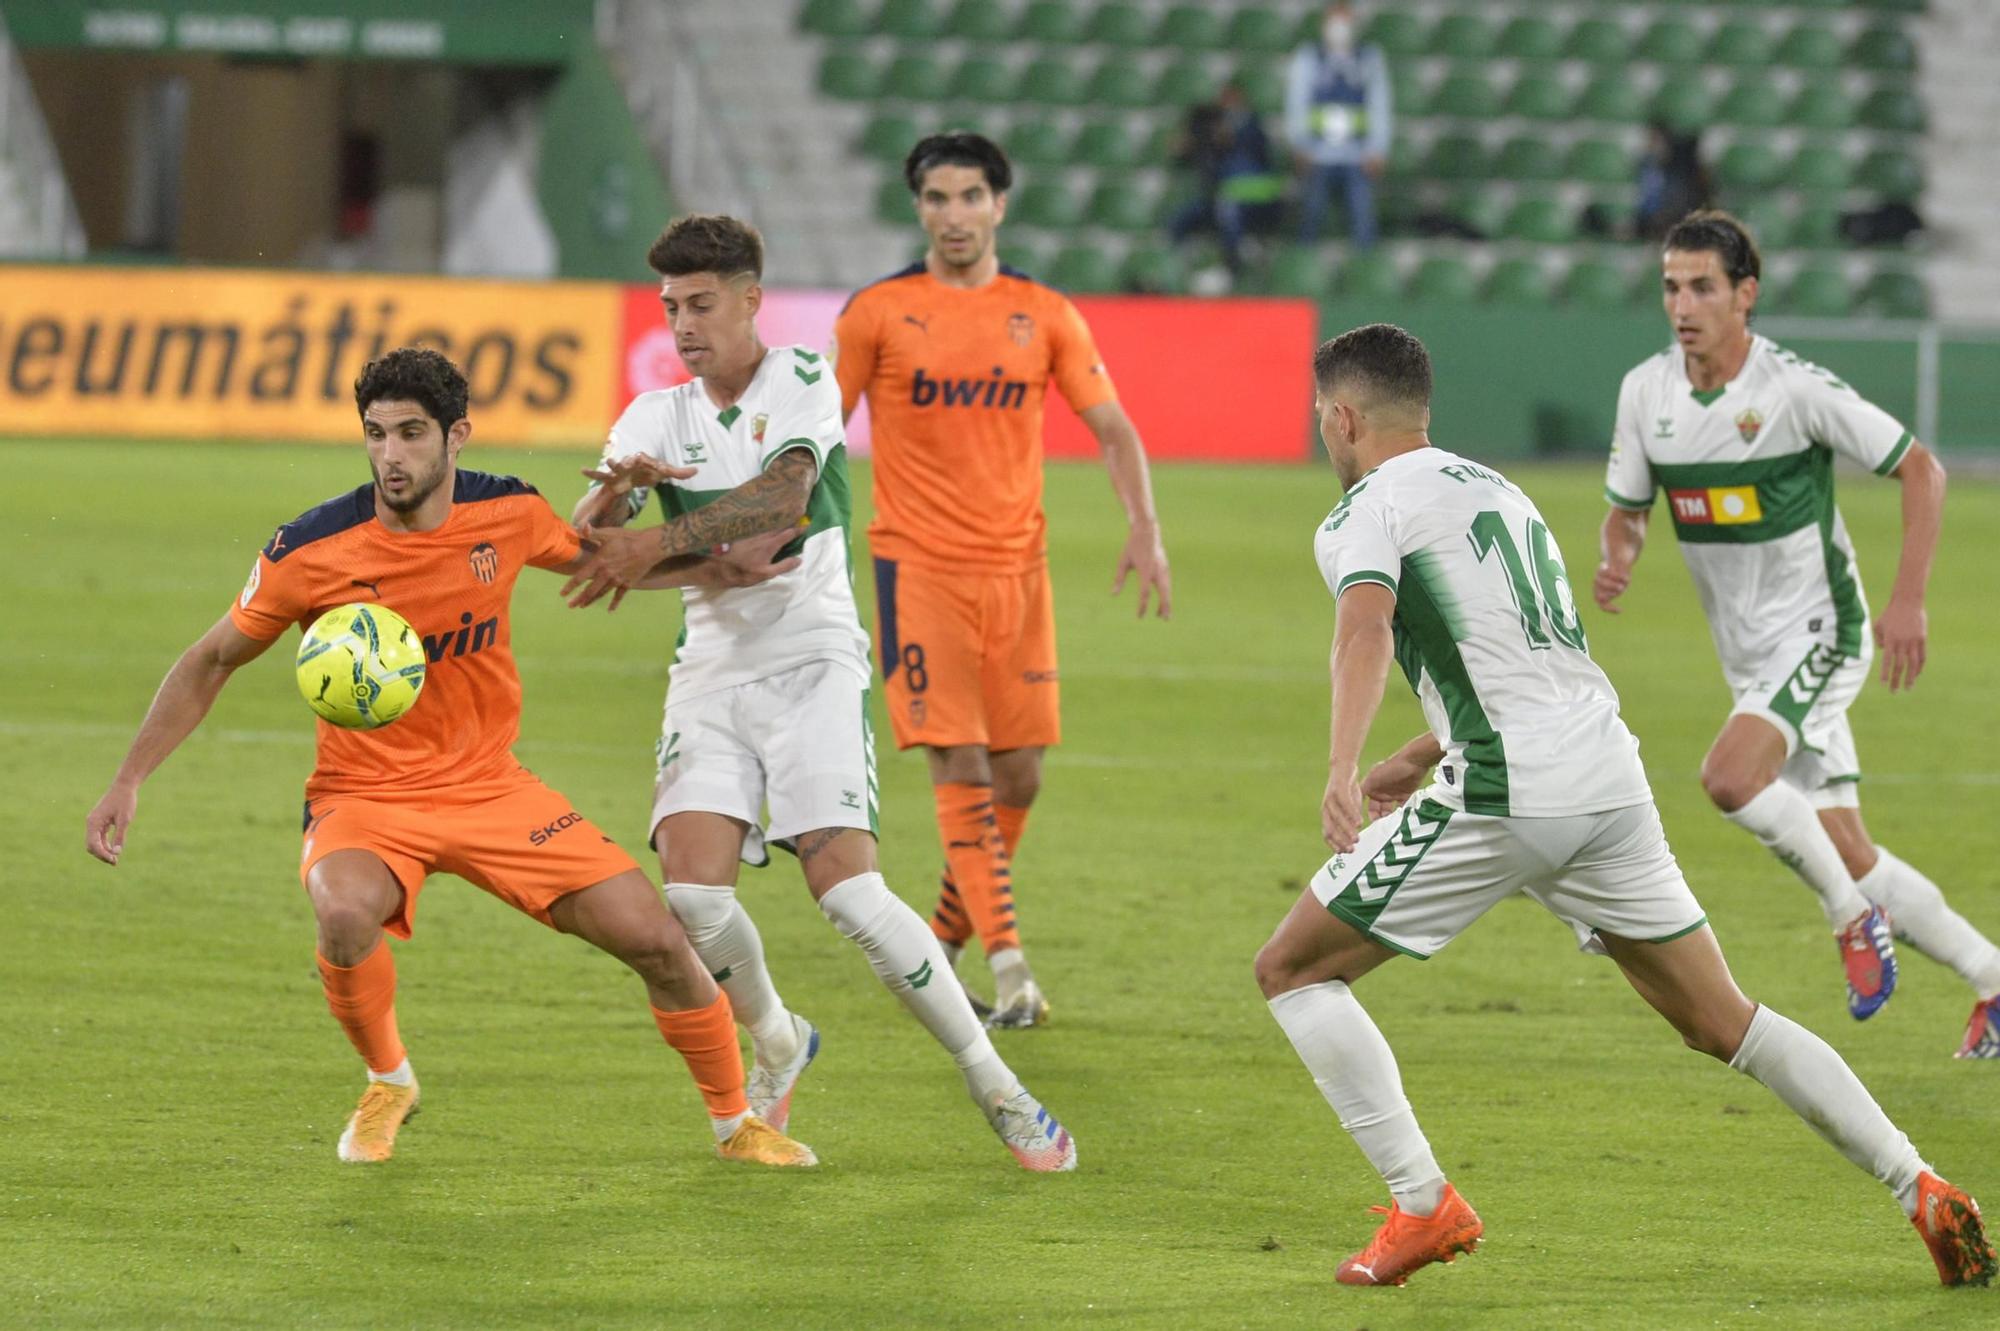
(1421, 876)
(798, 742)
(1804, 689)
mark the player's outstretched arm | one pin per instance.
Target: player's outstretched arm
(185, 696)
(1363, 646)
(1618, 544)
(1144, 553)
(608, 501)
(1902, 631)
(1391, 782)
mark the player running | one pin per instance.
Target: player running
(1446, 568)
(1742, 436)
(955, 354)
(767, 698)
(440, 790)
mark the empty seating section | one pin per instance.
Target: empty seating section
(1518, 133)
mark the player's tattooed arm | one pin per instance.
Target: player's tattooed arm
(609, 500)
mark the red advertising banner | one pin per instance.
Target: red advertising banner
(1204, 380)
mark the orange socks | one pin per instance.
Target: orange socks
(706, 1038)
(363, 999)
(1013, 820)
(950, 922)
(977, 894)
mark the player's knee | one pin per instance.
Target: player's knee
(1276, 971)
(1728, 785)
(349, 927)
(661, 957)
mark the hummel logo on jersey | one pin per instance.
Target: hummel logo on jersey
(993, 392)
(692, 450)
(850, 799)
(1809, 680)
(920, 977)
(1400, 853)
(1666, 430)
(667, 750)
(923, 325)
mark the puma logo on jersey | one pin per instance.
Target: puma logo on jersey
(923, 325)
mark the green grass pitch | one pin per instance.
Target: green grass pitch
(173, 1085)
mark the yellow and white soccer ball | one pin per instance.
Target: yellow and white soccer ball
(361, 666)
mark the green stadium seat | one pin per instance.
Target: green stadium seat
(978, 21)
(1594, 284)
(1160, 143)
(1025, 254)
(1369, 277)
(1819, 168)
(847, 73)
(1456, 157)
(892, 201)
(1396, 31)
(1816, 293)
(1896, 295)
(1528, 157)
(1051, 81)
(1445, 280)
(1121, 203)
(1538, 94)
(1669, 41)
(1260, 31)
(889, 137)
(1119, 25)
(1750, 165)
(1599, 162)
(1740, 42)
(1480, 209)
(836, 18)
(1045, 204)
(1817, 227)
(1753, 101)
(1810, 46)
(1612, 96)
(984, 80)
(1768, 220)
(1598, 40)
(1542, 221)
(1897, 6)
(1466, 95)
(1884, 48)
(910, 20)
(1298, 270)
(1263, 84)
(1190, 28)
(1527, 37)
(1683, 103)
(1152, 270)
(1036, 142)
(1893, 173)
(1083, 268)
(916, 78)
(1461, 36)
(1049, 22)
(1896, 109)
(1120, 81)
(1408, 95)
(1104, 144)
(1185, 83)
(1822, 106)
(1516, 282)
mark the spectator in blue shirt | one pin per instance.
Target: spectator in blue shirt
(1224, 142)
(1337, 116)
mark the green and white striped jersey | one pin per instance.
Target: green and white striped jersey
(1487, 633)
(750, 633)
(1748, 471)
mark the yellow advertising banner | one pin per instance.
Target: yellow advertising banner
(226, 353)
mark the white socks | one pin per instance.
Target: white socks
(400, 1075)
(1919, 914)
(910, 962)
(727, 942)
(1010, 974)
(1802, 1070)
(1783, 819)
(1355, 1071)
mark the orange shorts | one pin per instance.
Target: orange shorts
(968, 658)
(516, 838)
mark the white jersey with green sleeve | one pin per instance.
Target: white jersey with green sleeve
(1487, 633)
(750, 633)
(1748, 471)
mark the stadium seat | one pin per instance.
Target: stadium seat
(1670, 41)
(1538, 94)
(983, 80)
(1185, 83)
(1750, 165)
(1049, 22)
(1594, 284)
(1816, 293)
(1466, 95)
(1768, 221)
(1599, 162)
(1883, 48)
(1152, 270)
(1259, 31)
(1396, 31)
(1741, 43)
(847, 73)
(1121, 82)
(1897, 6)
(1443, 279)
(916, 78)
(1480, 209)
(1297, 270)
(1528, 157)
(892, 201)
(1896, 295)
(1119, 25)
(1409, 95)
(1893, 173)
(1083, 268)
(1122, 203)
(1893, 109)
(1020, 251)
(835, 18)
(1822, 105)
(978, 21)
(1527, 37)
(1612, 96)
(1104, 144)
(910, 20)
(1367, 277)
(1036, 142)
(1161, 141)
(1263, 84)
(1754, 101)
(1051, 81)
(1683, 102)
(1541, 220)
(1516, 282)
(1456, 157)
(1599, 40)
(1819, 168)
(1045, 204)
(1461, 36)
(1817, 227)
(1809, 46)
(1190, 28)
(889, 138)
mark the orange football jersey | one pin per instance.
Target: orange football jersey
(453, 584)
(956, 378)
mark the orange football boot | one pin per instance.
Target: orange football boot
(1406, 1242)
(1948, 1220)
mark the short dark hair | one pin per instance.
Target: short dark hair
(958, 147)
(414, 374)
(707, 243)
(1723, 234)
(1389, 364)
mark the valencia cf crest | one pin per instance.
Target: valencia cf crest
(1748, 423)
(1021, 328)
(485, 561)
(757, 424)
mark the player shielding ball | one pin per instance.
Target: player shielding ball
(767, 697)
(1742, 435)
(440, 790)
(1526, 780)
(955, 355)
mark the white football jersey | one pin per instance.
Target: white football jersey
(1748, 471)
(750, 633)
(1488, 635)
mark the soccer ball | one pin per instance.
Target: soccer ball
(361, 666)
